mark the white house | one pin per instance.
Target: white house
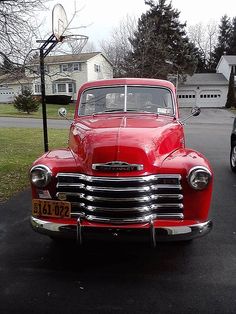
(207, 89)
(225, 64)
(64, 74)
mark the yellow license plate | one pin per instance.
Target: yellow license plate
(53, 209)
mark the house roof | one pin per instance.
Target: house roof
(82, 57)
(205, 79)
(16, 78)
(231, 59)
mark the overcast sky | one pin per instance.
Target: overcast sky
(103, 15)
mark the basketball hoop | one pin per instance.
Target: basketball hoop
(75, 41)
(59, 21)
(61, 32)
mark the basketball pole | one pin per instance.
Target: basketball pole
(59, 26)
(47, 46)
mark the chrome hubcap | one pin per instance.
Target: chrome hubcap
(233, 157)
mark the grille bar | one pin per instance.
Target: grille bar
(145, 218)
(122, 198)
(143, 179)
(134, 209)
(140, 199)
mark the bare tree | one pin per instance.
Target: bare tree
(17, 26)
(119, 45)
(204, 38)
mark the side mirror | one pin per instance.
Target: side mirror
(195, 111)
(62, 112)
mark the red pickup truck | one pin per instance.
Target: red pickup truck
(126, 171)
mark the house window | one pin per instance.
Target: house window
(25, 88)
(77, 66)
(35, 70)
(37, 89)
(64, 67)
(97, 68)
(70, 67)
(61, 88)
(70, 87)
(66, 87)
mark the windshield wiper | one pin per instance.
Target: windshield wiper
(113, 110)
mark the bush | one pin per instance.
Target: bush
(26, 102)
(58, 99)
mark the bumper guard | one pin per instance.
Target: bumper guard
(151, 232)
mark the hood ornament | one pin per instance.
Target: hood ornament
(117, 166)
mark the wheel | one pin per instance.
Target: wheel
(233, 157)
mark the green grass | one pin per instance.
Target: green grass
(8, 110)
(19, 148)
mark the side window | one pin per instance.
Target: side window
(87, 105)
(97, 68)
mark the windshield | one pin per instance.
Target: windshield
(126, 98)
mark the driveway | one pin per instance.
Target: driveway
(39, 276)
(208, 116)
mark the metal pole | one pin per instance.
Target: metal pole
(177, 81)
(44, 51)
(45, 130)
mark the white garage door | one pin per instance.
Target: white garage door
(6, 95)
(210, 98)
(186, 98)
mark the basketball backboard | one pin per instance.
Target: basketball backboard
(59, 21)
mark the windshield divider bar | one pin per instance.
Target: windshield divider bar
(126, 95)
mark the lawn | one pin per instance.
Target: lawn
(19, 148)
(8, 110)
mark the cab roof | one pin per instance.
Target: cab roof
(129, 81)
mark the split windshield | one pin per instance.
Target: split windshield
(126, 98)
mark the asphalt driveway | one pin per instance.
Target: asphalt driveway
(39, 276)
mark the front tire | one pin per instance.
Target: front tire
(233, 157)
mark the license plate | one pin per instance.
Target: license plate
(54, 209)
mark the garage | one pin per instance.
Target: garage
(6, 95)
(187, 98)
(206, 90)
(210, 98)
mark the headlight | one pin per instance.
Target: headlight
(40, 176)
(199, 177)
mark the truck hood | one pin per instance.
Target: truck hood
(135, 139)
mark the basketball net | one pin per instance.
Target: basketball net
(76, 42)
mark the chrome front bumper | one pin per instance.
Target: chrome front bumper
(150, 232)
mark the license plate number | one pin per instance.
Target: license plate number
(54, 209)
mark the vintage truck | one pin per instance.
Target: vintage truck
(233, 147)
(126, 172)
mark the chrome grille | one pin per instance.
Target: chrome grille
(122, 199)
